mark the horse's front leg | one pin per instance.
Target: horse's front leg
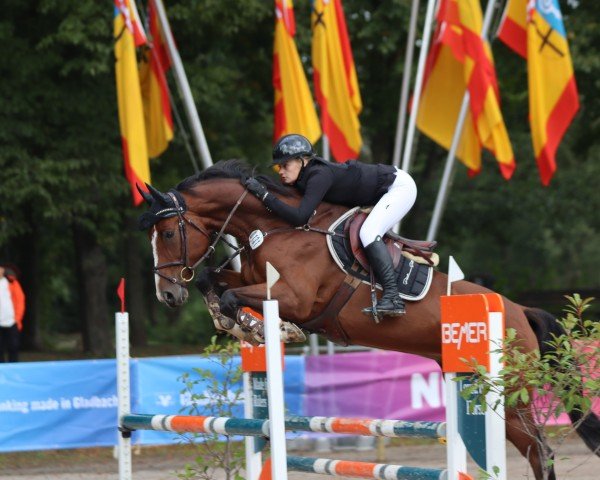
(234, 300)
(209, 279)
(211, 284)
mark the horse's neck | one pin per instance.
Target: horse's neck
(216, 201)
(327, 213)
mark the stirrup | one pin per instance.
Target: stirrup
(396, 312)
(378, 314)
(372, 312)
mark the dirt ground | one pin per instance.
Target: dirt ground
(162, 463)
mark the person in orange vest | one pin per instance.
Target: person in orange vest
(12, 309)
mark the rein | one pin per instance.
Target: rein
(187, 272)
(305, 228)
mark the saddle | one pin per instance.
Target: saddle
(413, 262)
(420, 251)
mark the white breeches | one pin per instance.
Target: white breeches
(390, 209)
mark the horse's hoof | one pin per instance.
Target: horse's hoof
(225, 322)
(256, 338)
(291, 333)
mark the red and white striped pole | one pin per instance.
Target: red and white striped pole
(123, 389)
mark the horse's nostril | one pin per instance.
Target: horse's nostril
(169, 298)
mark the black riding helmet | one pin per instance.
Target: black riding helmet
(291, 146)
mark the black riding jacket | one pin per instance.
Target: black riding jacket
(352, 184)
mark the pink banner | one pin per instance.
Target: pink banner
(374, 384)
(378, 384)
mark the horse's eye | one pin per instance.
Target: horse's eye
(169, 234)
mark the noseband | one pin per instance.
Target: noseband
(187, 272)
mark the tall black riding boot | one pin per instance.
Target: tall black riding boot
(390, 303)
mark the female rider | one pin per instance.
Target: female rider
(391, 190)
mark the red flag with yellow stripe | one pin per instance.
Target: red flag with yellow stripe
(153, 66)
(294, 106)
(535, 30)
(460, 59)
(128, 34)
(336, 83)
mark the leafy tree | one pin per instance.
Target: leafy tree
(65, 214)
(562, 380)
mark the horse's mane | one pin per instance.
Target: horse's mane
(236, 169)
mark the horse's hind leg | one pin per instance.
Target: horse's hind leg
(522, 432)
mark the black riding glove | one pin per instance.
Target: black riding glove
(256, 188)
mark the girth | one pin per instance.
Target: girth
(327, 323)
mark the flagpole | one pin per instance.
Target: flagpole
(184, 88)
(408, 60)
(313, 339)
(412, 121)
(446, 183)
(326, 152)
(189, 105)
(176, 115)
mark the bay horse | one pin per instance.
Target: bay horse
(186, 222)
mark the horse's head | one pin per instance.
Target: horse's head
(184, 234)
(179, 243)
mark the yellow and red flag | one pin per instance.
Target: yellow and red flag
(336, 84)
(153, 66)
(128, 35)
(294, 106)
(460, 59)
(534, 29)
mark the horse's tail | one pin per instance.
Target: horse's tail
(546, 327)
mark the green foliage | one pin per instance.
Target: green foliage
(61, 165)
(563, 380)
(218, 399)
(192, 325)
(226, 50)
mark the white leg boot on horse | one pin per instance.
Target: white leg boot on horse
(247, 326)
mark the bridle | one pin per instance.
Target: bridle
(187, 271)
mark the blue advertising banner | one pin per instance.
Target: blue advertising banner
(46, 405)
(73, 404)
(161, 390)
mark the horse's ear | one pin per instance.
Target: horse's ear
(146, 220)
(145, 195)
(158, 195)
